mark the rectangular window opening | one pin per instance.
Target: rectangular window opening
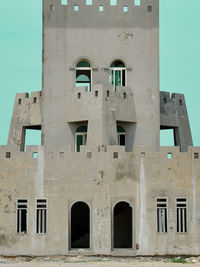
(76, 8)
(35, 100)
(162, 215)
(115, 155)
(108, 93)
(89, 155)
(113, 2)
(19, 101)
(22, 209)
(79, 95)
(142, 154)
(181, 213)
(124, 95)
(64, 2)
(35, 155)
(149, 8)
(41, 216)
(169, 155)
(52, 7)
(180, 102)
(8, 155)
(167, 137)
(96, 93)
(62, 155)
(31, 137)
(88, 2)
(196, 155)
(101, 8)
(125, 9)
(137, 2)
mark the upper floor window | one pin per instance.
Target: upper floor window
(121, 136)
(84, 74)
(80, 137)
(117, 74)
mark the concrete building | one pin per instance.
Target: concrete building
(100, 183)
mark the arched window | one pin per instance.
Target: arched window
(121, 136)
(80, 225)
(122, 223)
(80, 137)
(117, 74)
(84, 74)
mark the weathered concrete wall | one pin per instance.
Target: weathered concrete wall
(101, 38)
(101, 181)
(173, 115)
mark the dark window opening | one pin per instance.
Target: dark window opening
(121, 136)
(8, 155)
(80, 137)
(35, 100)
(196, 155)
(80, 225)
(149, 8)
(115, 155)
(122, 225)
(22, 206)
(19, 101)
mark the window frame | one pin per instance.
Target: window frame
(187, 215)
(157, 208)
(27, 201)
(114, 69)
(38, 233)
(84, 68)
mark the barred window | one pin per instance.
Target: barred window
(162, 215)
(22, 209)
(181, 213)
(41, 216)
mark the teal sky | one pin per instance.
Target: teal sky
(21, 55)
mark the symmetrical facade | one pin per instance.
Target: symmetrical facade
(100, 183)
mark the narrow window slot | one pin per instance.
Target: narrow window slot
(41, 216)
(22, 210)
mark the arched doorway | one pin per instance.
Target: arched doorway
(84, 74)
(122, 215)
(80, 225)
(117, 74)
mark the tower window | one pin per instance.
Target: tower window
(121, 136)
(162, 215)
(117, 74)
(80, 137)
(22, 208)
(100, 8)
(83, 74)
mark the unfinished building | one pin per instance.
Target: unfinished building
(100, 183)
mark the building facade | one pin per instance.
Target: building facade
(100, 183)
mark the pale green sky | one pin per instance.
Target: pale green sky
(21, 48)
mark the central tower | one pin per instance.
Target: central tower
(101, 73)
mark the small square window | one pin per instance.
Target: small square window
(35, 155)
(88, 2)
(101, 8)
(137, 2)
(142, 154)
(115, 155)
(8, 154)
(19, 101)
(52, 7)
(169, 155)
(196, 155)
(149, 8)
(125, 9)
(64, 2)
(76, 8)
(35, 100)
(113, 2)
(62, 155)
(89, 155)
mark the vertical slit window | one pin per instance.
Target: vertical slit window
(22, 210)
(181, 213)
(162, 215)
(41, 216)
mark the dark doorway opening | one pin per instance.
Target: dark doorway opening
(80, 225)
(122, 225)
